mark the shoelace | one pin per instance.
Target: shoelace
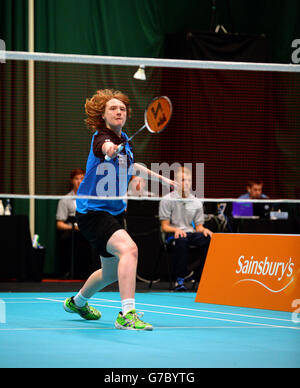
(139, 316)
(135, 317)
(87, 309)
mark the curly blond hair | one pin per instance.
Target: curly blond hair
(95, 107)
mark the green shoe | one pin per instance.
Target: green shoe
(86, 312)
(131, 321)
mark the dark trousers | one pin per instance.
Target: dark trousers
(180, 251)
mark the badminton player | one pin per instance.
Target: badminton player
(102, 221)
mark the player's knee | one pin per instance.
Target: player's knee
(133, 250)
(128, 249)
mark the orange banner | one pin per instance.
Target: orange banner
(252, 270)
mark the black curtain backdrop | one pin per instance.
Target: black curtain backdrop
(219, 46)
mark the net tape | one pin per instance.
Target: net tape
(154, 62)
(142, 198)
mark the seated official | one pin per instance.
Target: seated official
(66, 207)
(254, 190)
(69, 233)
(182, 221)
(250, 209)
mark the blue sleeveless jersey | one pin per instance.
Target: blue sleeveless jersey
(105, 179)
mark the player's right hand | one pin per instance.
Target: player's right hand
(112, 151)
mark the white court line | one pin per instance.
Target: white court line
(190, 309)
(22, 300)
(18, 300)
(195, 316)
(160, 306)
(155, 328)
(200, 310)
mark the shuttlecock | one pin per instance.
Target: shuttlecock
(140, 73)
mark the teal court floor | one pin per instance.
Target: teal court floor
(36, 332)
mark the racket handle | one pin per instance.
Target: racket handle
(119, 149)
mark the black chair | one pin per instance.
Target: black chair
(77, 258)
(72, 220)
(143, 225)
(162, 253)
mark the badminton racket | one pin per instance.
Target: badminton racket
(156, 116)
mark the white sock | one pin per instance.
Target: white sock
(127, 305)
(80, 300)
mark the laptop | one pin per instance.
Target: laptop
(242, 210)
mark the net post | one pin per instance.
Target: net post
(31, 116)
